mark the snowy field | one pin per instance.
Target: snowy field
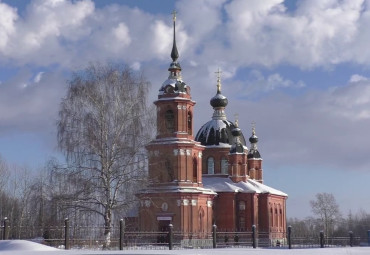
(20, 247)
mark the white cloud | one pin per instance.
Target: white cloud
(233, 35)
(357, 78)
(122, 34)
(322, 127)
(38, 77)
(239, 32)
(257, 84)
(136, 66)
(8, 16)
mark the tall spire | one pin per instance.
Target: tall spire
(174, 52)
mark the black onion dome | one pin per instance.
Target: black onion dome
(253, 139)
(237, 148)
(254, 154)
(236, 131)
(217, 131)
(219, 100)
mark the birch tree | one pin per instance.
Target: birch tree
(104, 123)
(326, 207)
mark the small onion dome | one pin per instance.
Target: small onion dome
(217, 131)
(253, 154)
(237, 148)
(236, 131)
(174, 66)
(218, 100)
(253, 139)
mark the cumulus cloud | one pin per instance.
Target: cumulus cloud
(316, 34)
(8, 16)
(327, 128)
(258, 84)
(234, 35)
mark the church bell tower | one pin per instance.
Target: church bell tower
(175, 194)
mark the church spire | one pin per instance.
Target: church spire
(174, 52)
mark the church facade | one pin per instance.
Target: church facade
(208, 178)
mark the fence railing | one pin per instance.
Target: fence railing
(92, 237)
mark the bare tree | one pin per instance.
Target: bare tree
(103, 125)
(327, 209)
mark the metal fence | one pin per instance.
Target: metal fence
(92, 237)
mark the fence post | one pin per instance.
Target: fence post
(214, 236)
(368, 237)
(66, 234)
(350, 238)
(170, 234)
(121, 234)
(6, 229)
(254, 236)
(290, 237)
(321, 239)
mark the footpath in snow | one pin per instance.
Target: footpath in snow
(21, 247)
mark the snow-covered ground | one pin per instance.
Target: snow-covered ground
(21, 247)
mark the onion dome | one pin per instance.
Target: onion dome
(174, 83)
(218, 130)
(237, 146)
(218, 100)
(253, 152)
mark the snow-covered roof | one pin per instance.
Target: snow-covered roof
(225, 184)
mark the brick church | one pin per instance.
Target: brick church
(210, 178)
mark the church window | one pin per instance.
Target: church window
(241, 206)
(195, 170)
(189, 123)
(241, 223)
(201, 220)
(276, 218)
(224, 166)
(211, 165)
(271, 218)
(170, 121)
(169, 170)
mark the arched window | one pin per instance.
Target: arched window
(189, 123)
(211, 165)
(195, 170)
(276, 218)
(170, 121)
(281, 218)
(271, 217)
(201, 220)
(241, 223)
(224, 166)
(169, 170)
(241, 205)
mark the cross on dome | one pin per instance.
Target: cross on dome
(218, 73)
(236, 120)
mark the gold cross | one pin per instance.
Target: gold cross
(219, 72)
(236, 120)
(253, 128)
(174, 15)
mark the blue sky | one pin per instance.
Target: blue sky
(298, 68)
